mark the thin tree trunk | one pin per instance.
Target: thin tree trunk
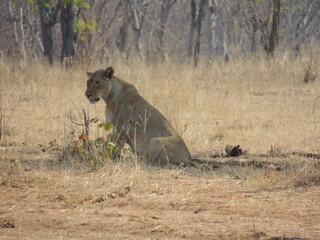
(225, 42)
(193, 29)
(202, 7)
(253, 24)
(159, 33)
(67, 19)
(17, 18)
(137, 24)
(211, 23)
(274, 35)
(124, 29)
(32, 26)
(22, 41)
(14, 22)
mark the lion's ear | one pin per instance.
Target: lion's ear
(108, 73)
(89, 74)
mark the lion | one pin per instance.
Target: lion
(136, 122)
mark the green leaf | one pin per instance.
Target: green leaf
(14, 3)
(81, 26)
(31, 2)
(81, 3)
(94, 120)
(91, 24)
(107, 126)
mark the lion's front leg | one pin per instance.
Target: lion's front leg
(109, 114)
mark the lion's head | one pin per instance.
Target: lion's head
(98, 84)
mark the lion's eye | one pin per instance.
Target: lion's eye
(97, 84)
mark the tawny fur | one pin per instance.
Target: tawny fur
(137, 122)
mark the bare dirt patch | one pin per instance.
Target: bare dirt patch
(121, 202)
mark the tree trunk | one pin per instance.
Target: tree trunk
(22, 42)
(123, 31)
(17, 18)
(159, 33)
(67, 19)
(137, 24)
(14, 21)
(253, 24)
(274, 35)
(193, 29)
(47, 20)
(225, 42)
(202, 7)
(211, 19)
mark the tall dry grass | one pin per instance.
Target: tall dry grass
(256, 103)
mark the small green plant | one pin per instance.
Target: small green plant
(93, 152)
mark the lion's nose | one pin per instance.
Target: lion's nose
(88, 94)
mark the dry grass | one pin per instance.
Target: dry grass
(264, 106)
(252, 103)
(118, 202)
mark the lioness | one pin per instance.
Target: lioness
(135, 121)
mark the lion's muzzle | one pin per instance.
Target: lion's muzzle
(89, 96)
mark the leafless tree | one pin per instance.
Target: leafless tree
(252, 23)
(211, 20)
(139, 12)
(166, 6)
(154, 30)
(16, 14)
(202, 10)
(264, 16)
(124, 29)
(198, 11)
(274, 34)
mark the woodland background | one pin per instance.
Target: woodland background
(89, 30)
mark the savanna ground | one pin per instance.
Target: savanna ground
(263, 105)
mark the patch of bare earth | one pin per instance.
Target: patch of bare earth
(122, 202)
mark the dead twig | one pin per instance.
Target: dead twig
(84, 124)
